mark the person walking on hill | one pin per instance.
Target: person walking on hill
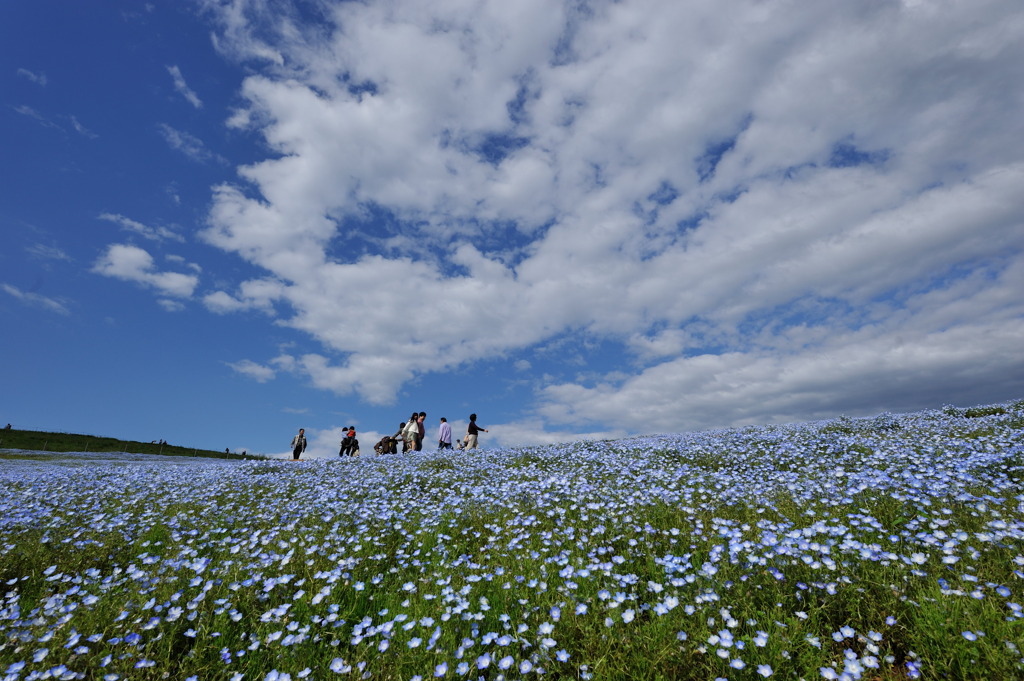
(471, 432)
(444, 435)
(386, 445)
(400, 437)
(298, 444)
(421, 430)
(411, 431)
(349, 444)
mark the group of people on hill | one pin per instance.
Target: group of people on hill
(410, 434)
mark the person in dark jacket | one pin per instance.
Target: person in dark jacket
(471, 432)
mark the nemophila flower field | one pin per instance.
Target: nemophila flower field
(883, 548)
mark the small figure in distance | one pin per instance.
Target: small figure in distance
(393, 440)
(411, 432)
(384, 445)
(444, 435)
(298, 444)
(400, 437)
(471, 432)
(349, 443)
(421, 430)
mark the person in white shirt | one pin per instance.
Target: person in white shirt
(298, 444)
(444, 435)
(411, 432)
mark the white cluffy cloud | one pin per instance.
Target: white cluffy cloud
(47, 252)
(257, 372)
(766, 211)
(37, 78)
(136, 227)
(189, 145)
(182, 88)
(131, 263)
(36, 299)
(56, 122)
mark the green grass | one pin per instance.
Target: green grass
(32, 441)
(655, 558)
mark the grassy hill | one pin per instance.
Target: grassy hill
(36, 440)
(877, 549)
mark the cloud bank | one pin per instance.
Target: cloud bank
(737, 212)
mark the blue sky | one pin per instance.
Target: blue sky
(225, 220)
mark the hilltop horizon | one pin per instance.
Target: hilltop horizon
(431, 445)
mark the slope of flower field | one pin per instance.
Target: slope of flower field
(883, 548)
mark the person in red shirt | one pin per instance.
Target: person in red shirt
(349, 444)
